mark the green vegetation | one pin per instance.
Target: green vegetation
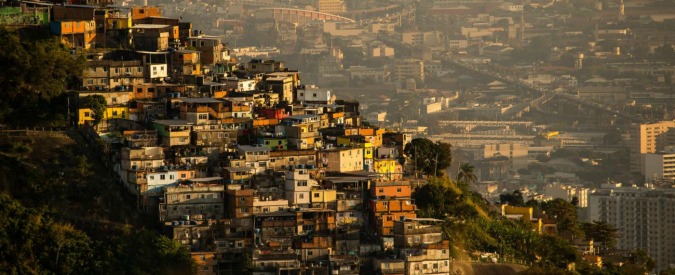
(429, 157)
(473, 229)
(466, 174)
(97, 105)
(34, 243)
(36, 73)
(62, 215)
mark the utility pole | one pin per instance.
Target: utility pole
(415, 171)
(436, 165)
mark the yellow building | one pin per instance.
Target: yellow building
(323, 196)
(390, 169)
(372, 135)
(648, 139)
(118, 23)
(524, 213)
(86, 114)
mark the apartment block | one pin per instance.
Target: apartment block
(643, 217)
(649, 138)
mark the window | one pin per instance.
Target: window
(171, 177)
(87, 114)
(316, 195)
(203, 116)
(302, 183)
(161, 177)
(309, 253)
(242, 199)
(182, 176)
(398, 190)
(187, 197)
(90, 81)
(152, 177)
(243, 210)
(301, 196)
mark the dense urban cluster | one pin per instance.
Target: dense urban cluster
(396, 137)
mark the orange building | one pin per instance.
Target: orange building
(391, 201)
(76, 33)
(144, 12)
(400, 189)
(207, 263)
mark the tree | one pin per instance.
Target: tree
(513, 199)
(601, 232)
(429, 157)
(555, 252)
(563, 213)
(639, 263)
(97, 104)
(466, 174)
(40, 71)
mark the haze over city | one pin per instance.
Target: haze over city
(337, 137)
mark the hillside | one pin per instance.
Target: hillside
(60, 171)
(63, 213)
(467, 268)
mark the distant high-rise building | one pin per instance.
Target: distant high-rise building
(330, 6)
(643, 216)
(660, 165)
(622, 14)
(648, 139)
(409, 68)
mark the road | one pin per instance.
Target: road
(545, 95)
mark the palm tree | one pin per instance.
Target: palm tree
(466, 174)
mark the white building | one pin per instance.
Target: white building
(660, 166)
(314, 95)
(297, 187)
(567, 192)
(643, 216)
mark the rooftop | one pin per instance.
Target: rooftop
(172, 122)
(150, 26)
(200, 100)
